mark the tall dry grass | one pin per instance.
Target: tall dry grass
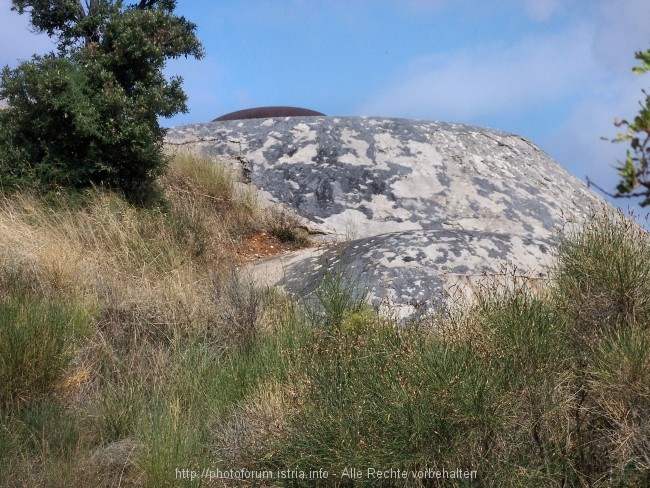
(117, 256)
(157, 286)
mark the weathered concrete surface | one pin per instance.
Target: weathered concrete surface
(411, 271)
(410, 202)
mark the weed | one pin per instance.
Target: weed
(335, 297)
(170, 440)
(121, 408)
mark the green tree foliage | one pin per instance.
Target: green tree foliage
(87, 114)
(634, 171)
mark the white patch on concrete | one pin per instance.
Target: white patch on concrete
(528, 257)
(257, 156)
(359, 149)
(337, 191)
(425, 152)
(349, 158)
(347, 223)
(302, 132)
(479, 166)
(482, 224)
(385, 209)
(432, 251)
(305, 154)
(422, 182)
(267, 272)
(389, 150)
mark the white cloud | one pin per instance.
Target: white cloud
(489, 80)
(543, 10)
(622, 30)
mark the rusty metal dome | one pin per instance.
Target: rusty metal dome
(267, 112)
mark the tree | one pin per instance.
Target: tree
(88, 113)
(634, 171)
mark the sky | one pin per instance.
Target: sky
(557, 72)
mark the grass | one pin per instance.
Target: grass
(132, 352)
(36, 341)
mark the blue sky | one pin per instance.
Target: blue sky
(554, 71)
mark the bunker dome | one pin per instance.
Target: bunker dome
(413, 209)
(267, 112)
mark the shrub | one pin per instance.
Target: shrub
(88, 115)
(601, 279)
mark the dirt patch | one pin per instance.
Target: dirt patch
(259, 245)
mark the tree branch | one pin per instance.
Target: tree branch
(146, 4)
(613, 195)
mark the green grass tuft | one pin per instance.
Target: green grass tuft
(36, 344)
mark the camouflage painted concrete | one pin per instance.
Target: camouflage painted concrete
(413, 271)
(410, 203)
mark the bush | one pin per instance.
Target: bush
(602, 277)
(600, 286)
(88, 115)
(67, 136)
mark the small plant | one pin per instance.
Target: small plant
(335, 297)
(619, 386)
(170, 440)
(207, 209)
(190, 173)
(122, 406)
(241, 307)
(286, 227)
